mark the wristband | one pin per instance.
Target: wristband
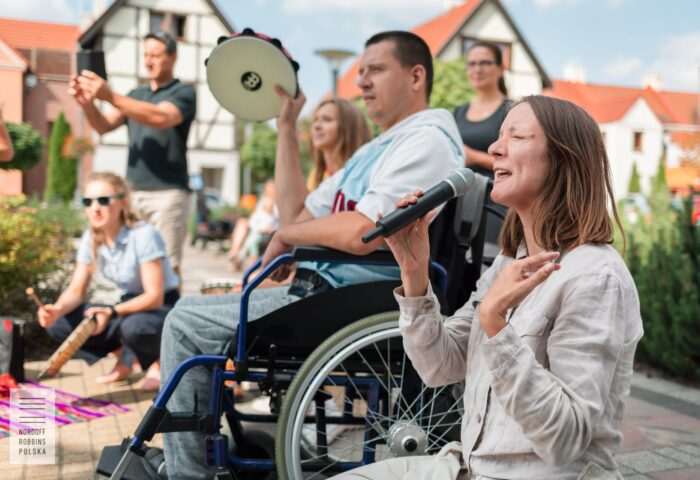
(113, 312)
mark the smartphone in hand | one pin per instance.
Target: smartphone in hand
(93, 60)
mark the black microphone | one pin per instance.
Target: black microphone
(455, 185)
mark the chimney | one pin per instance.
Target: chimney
(450, 4)
(652, 81)
(574, 72)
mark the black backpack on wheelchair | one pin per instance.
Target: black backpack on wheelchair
(342, 391)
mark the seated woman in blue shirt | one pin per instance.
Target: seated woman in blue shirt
(132, 255)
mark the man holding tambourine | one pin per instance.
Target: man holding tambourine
(418, 148)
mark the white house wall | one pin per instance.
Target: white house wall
(619, 142)
(211, 30)
(212, 136)
(110, 158)
(230, 180)
(121, 56)
(488, 23)
(123, 22)
(187, 63)
(674, 153)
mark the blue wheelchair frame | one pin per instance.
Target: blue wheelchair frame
(159, 420)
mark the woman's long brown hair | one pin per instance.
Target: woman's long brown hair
(573, 207)
(126, 216)
(353, 132)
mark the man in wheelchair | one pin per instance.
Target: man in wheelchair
(418, 148)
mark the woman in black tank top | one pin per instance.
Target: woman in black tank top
(480, 120)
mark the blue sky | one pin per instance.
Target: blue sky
(615, 41)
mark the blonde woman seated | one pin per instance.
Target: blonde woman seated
(132, 255)
(338, 129)
(547, 340)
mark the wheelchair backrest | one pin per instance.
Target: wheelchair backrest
(457, 238)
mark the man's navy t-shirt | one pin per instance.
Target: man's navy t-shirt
(158, 158)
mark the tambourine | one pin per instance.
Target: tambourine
(70, 345)
(242, 71)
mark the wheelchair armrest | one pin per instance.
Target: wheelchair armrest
(303, 253)
(320, 254)
(378, 257)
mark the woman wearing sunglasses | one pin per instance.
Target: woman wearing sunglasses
(132, 255)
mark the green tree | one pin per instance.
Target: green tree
(62, 169)
(451, 86)
(258, 152)
(634, 186)
(663, 255)
(27, 144)
(659, 184)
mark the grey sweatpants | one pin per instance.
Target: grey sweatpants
(202, 325)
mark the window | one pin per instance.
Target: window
(467, 43)
(169, 22)
(179, 24)
(638, 141)
(213, 177)
(157, 21)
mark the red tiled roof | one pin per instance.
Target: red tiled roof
(681, 107)
(436, 32)
(25, 35)
(686, 139)
(440, 30)
(608, 103)
(8, 55)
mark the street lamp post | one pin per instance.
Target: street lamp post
(335, 58)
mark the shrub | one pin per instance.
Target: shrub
(27, 144)
(35, 250)
(663, 255)
(62, 169)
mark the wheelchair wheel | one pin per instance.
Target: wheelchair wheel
(357, 400)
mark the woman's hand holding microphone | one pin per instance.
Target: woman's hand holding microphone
(411, 248)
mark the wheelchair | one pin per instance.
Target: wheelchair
(342, 392)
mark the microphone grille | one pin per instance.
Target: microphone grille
(462, 180)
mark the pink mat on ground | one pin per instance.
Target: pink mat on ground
(69, 409)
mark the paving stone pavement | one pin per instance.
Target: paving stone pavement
(661, 425)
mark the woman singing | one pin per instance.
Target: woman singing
(546, 342)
